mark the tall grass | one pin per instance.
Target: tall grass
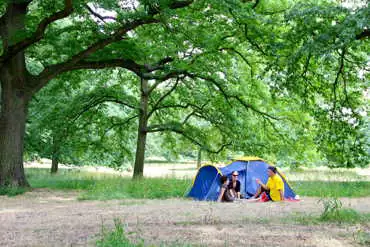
(65, 179)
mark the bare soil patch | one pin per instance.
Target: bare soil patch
(56, 218)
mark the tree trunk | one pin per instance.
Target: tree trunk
(54, 164)
(14, 102)
(12, 129)
(55, 156)
(199, 161)
(142, 131)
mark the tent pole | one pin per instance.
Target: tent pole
(245, 179)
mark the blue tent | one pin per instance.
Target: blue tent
(206, 184)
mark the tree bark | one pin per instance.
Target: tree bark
(142, 131)
(54, 164)
(199, 161)
(55, 157)
(14, 103)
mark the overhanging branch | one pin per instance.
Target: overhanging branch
(100, 17)
(181, 131)
(155, 107)
(39, 33)
(51, 71)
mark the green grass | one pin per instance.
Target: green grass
(97, 186)
(118, 237)
(342, 216)
(65, 179)
(333, 212)
(105, 186)
(331, 189)
(339, 174)
(148, 188)
(12, 191)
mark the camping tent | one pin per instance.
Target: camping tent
(206, 185)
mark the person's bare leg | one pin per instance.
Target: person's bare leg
(258, 193)
(252, 200)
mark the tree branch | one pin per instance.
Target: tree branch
(238, 53)
(154, 108)
(236, 97)
(364, 34)
(127, 120)
(51, 71)
(39, 33)
(161, 78)
(98, 101)
(181, 131)
(100, 17)
(255, 4)
(159, 65)
(336, 81)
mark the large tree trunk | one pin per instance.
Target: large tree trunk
(142, 131)
(14, 102)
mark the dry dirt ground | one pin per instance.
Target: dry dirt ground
(57, 218)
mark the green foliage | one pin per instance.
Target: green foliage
(280, 81)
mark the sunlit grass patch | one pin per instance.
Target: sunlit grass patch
(325, 174)
(331, 188)
(64, 179)
(149, 188)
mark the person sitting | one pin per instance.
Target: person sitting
(234, 185)
(273, 189)
(226, 195)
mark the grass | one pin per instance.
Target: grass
(333, 212)
(331, 188)
(343, 216)
(118, 237)
(12, 191)
(105, 186)
(66, 179)
(148, 188)
(324, 174)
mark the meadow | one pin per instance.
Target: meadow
(332, 200)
